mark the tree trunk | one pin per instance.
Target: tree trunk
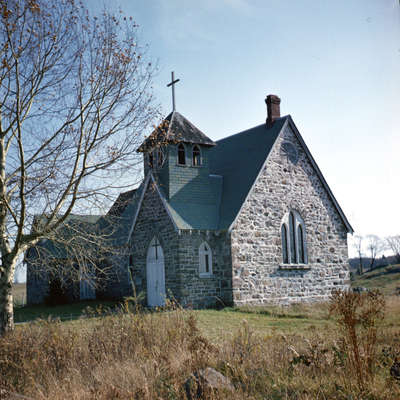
(6, 306)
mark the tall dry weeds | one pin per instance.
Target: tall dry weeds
(151, 355)
(358, 316)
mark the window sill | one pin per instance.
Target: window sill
(294, 266)
(206, 275)
(189, 165)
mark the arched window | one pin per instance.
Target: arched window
(205, 260)
(294, 250)
(300, 244)
(181, 154)
(160, 158)
(284, 244)
(292, 231)
(196, 156)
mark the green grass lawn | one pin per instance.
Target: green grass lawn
(220, 324)
(64, 312)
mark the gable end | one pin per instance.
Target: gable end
(149, 178)
(320, 176)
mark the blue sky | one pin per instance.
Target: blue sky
(334, 64)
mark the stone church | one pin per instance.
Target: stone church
(248, 219)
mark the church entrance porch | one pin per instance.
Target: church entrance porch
(155, 274)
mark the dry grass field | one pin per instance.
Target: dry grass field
(342, 350)
(346, 349)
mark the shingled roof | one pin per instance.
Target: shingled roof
(235, 162)
(239, 159)
(117, 224)
(175, 128)
(61, 242)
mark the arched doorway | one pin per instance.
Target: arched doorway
(155, 274)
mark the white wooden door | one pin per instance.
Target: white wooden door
(86, 286)
(155, 274)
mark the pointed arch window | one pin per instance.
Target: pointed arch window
(284, 244)
(181, 154)
(292, 232)
(160, 158)
(294, 248)
(196, 160)
(300, 244)
(205, 260)
(151, 160)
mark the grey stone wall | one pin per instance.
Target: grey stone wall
(114, 281)
(181, 257)
(153, 220)
(258, 273)
(205, 291)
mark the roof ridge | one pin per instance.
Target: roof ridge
(170, 123)
(250, 129)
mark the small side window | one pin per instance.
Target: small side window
(181, 154)
(205, 260)
(196, 156)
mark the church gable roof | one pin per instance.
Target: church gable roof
(60, 244)
(121, 203)
(115, 226)
(196, 215)
(234, 165)
(239, 159)
(175, 128)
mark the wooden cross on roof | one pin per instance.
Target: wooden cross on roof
(172, 83)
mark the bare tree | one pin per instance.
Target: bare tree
(75, 98)
(375, 245)
(358, 246)
(394, 245)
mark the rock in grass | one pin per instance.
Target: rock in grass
(395, 370)
(205, 381)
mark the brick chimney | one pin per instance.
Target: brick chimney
(273, 109)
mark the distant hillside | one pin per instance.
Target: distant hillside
(366, 261)
(386, 279)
